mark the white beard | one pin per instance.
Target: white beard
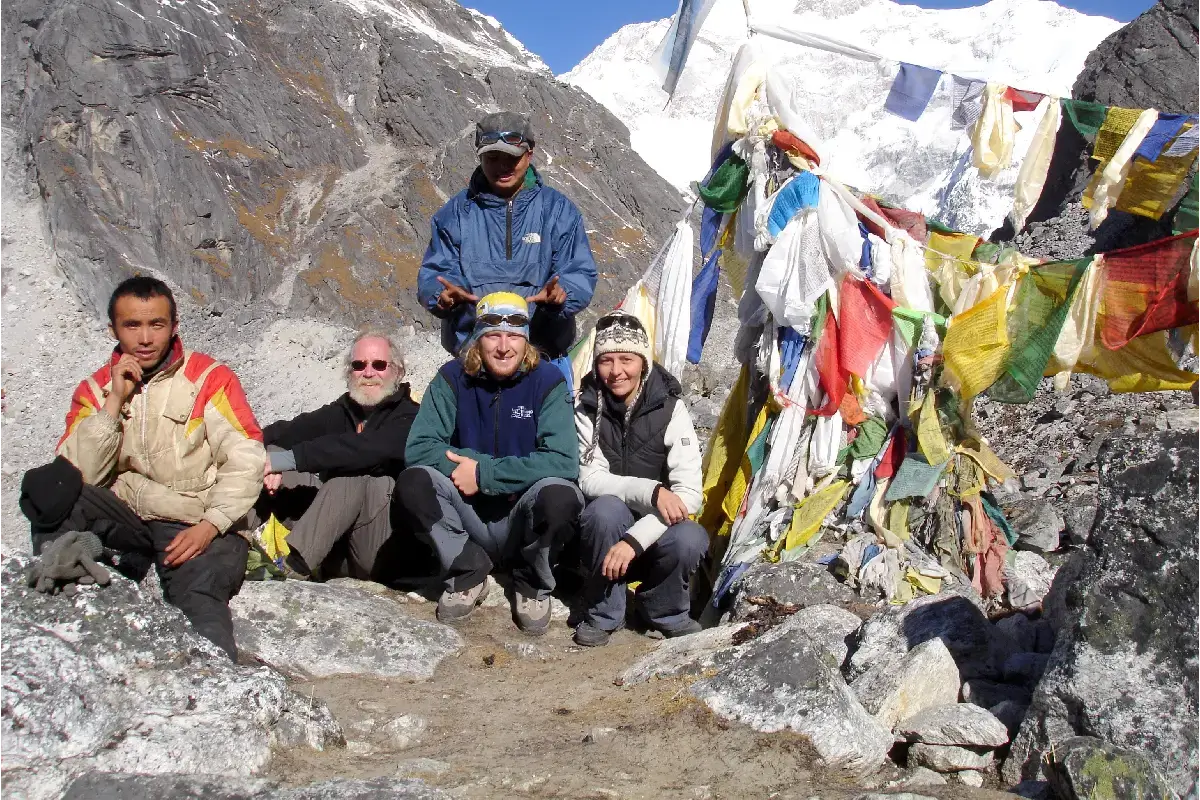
(370, 392)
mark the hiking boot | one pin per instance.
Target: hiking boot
(295, 568)
(531, 615)
(457, 606)
(691, 626)
(589, 635)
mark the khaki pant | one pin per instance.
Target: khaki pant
(338, 525)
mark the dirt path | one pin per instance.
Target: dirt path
(508, 718)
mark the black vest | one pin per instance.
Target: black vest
(638, 450)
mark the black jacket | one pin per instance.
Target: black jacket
(326, 441)
(640, 450)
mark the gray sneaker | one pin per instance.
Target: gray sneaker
(531, 615)
(689, 627)
(589, 635)
(457, 606)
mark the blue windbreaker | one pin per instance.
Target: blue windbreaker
(486, 244)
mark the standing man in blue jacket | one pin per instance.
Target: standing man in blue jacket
(507, 231)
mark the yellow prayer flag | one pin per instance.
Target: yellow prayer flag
(745, 472)
(1152, 186)
(987, 460)
(811, 512)
(1117, 124)
(924, 583)
(1143, 365)
(724, 454)
(930, 439)
(977, 344)
(948, 261)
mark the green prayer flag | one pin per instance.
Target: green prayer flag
(1186, 214)
(728, 186)
(1086, 116)
(1039, 310)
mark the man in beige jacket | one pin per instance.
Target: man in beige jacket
(169, 460)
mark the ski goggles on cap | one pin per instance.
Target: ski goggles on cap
(514, 138)
(496, 320)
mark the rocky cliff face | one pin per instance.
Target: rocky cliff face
(292, 151)
(1150, 63)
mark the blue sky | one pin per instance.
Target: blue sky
(562, 32)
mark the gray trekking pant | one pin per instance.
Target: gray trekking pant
(355, 507)
(664, 569)
(528, 534)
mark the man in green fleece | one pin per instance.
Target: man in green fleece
(493, 457)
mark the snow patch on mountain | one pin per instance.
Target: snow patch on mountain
(1030, 44)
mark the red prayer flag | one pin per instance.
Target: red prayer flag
(913, 222)
(1145, 290)
(896, 449)
(1023, 100)
(866, 324)
(786, 140)
(832, 376)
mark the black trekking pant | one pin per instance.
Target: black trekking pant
(199, 587)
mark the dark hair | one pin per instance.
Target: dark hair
(143, 288)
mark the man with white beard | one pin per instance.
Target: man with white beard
(330, 472)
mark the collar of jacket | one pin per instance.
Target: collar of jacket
(480, 191)
(170, 363)
(394, 399)
(660, 385)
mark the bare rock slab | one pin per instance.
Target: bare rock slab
(318, 630)
(961, 724)
(798, 583)
(832, 627)
(948, 758)
(112, 786)
(1123, 668)
(113, 681)
(784, 681)
(926, 677)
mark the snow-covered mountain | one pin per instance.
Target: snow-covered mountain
(1030, 44)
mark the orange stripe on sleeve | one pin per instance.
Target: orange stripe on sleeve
(224, 391)
(83, 405)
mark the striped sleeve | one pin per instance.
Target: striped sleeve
(92, 439)
(235, 439)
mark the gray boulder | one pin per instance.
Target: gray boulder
(961, 724)
(1038, 525)
(1026, 668)
(831, 627)
(1011, 713)
(1124, 668)
(1027, 577)
(1078, 520)
(1084, 767)
(114, 681)
(686, 655)
(959, 623)
(318, 630)
(948, 758)
(987, 693)
(926, 677)
(111, 786)
(798, 583)
(783, 681)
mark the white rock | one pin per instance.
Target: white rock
(948, 758)
(926, 677)
(829, 626)
(404, 731)
(1028, 577)
(685, 655)
(970, 778)
(963, 724)
(313, 629)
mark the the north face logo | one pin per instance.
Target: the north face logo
(521, 412)
(532, 238)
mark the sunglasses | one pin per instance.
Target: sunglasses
(610, 322)
(379, 365)
(512, 320)
(508, 137)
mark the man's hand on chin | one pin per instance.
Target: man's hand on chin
(190, 542)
